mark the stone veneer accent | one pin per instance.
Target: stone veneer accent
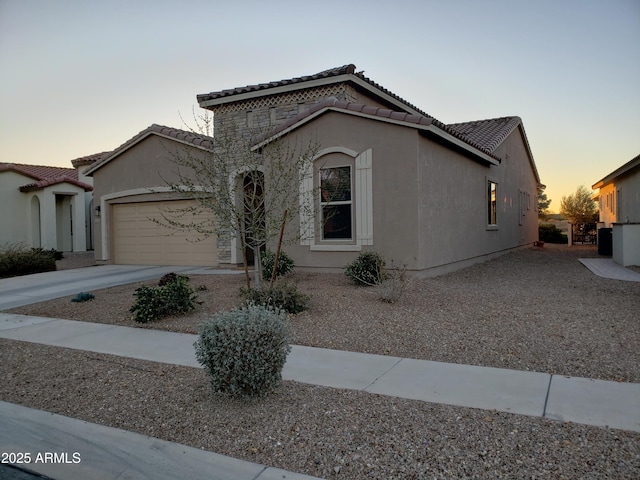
(247, 116)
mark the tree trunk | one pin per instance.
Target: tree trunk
(275, 262)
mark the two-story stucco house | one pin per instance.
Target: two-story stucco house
(431, 196)
(619, 201)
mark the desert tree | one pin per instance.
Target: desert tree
(249, 191)
(579, 207)
(543, 203)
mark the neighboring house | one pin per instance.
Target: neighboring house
(429, 196)
(46, 206)
(130, 190)
(619, 201)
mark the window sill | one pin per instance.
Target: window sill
(492, 227)
(335, 248)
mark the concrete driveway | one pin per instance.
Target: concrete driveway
(39, 287)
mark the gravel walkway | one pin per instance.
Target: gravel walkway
(533, 309)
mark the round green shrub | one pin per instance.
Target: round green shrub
(268, 259)
(366, 269)
(282, 294)
(243, 351)
(174, 297)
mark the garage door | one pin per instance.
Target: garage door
(139, 241)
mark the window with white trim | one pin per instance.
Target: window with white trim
(336, 204)
(338, 183)
(492, 203)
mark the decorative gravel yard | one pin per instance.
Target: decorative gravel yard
(532, 309)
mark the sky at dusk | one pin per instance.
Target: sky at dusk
(82, 77)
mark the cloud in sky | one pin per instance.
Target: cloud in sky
(83, 77)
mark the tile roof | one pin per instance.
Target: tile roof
(88, 160)
(488, 134)
(192, 138)
(332, 72)
(45, 175)
(485, 135)
(476, 141)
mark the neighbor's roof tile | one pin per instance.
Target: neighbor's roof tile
(45, 175)
(89, 159)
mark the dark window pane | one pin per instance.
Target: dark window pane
(335, 184)
(337, 221)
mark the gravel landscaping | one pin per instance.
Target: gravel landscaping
(534, 309)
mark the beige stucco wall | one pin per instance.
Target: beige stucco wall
(395, 212)
(61, 208)
(628, 201)
(15, 208)
(607, 205)
(429, 202)
(130, 177)
(454, 204)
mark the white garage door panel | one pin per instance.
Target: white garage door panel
(137, 240)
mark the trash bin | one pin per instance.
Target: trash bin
(605, 241)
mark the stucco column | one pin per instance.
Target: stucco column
(48, 219)
(79, 223)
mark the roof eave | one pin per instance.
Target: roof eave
(345, 77)
(134, 141)
(458, 144)
(433, 129)
(633, 163)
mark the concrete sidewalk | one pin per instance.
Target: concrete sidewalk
(607, 268)
(89, 451)
(574, 399)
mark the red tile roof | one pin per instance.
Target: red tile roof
(89, 159)
(45, 175)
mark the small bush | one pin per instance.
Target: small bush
(268, 258)
(393, 287)
(366, 269)
(551, 234)
(170, 277)
(282, 295)
(17, 260)
(173, 298)
(83, 297)
(243, 351)
(57, 255)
